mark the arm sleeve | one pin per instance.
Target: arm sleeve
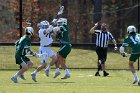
(29, 51)
(17, 43)
(26, 49)
(110, 36)
(97, 31)
(126, 42)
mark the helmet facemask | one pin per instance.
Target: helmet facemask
(61, 21)
(29, 31)
(44, 25)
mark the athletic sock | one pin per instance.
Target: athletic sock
(16, 75)
(35, 72)
(57, 70)
(99, 67)
(48, 68)
(136, 77)
(67, 71)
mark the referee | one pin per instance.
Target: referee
(102, 38)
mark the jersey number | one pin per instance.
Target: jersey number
(48, 35)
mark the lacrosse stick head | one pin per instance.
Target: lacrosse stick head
(61, 10)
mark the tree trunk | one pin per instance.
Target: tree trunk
(97, 14)
(65, 4)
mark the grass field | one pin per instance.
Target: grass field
(78, 58)
(81, 81)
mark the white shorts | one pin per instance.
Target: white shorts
(48, 53)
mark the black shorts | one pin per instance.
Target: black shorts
(102, 53)
(21, 59)
(64, 50)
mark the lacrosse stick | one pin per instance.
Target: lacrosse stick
(61, 10)
(38, 55)
(28, 21)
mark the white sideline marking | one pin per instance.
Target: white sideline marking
(84, 75)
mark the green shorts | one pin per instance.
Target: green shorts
(64, 50)
(21, 59)
(134, 57)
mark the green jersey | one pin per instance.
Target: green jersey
(133, 41)
(21, 45)
(63, 36)
(64, 40)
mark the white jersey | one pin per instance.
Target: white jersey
(45, 38)
(45, 42)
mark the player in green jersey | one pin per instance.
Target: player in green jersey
(23, 48)
(62, 35)
(132, 41)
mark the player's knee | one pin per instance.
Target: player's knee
(24, 68)
(54, 58)
(30, 64)
(130, 63)
(43, 65)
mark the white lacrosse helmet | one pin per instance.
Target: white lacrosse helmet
(62, 21)
(44, 24)
(131, 29)
(29, 30)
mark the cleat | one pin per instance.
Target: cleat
(97, 74)
(106, 74)
(47, 73)
(56, 74)
(14, 79)
(22, 77)
(135, 81)
(66, 76)
(33, 77)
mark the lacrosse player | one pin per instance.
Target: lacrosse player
(28, 24)
(62, 35)
(132, 41)
(23, 48)
(102, 38)
(45, 40)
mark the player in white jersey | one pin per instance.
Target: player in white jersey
(46, 40)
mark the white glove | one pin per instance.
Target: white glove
(115, 48)
(96, 24)
(121, 49)
(37, 55)
(56, 29)
(54, 21)
(49, 29)
(124, 54)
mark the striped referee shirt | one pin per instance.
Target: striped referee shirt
(102, 38)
